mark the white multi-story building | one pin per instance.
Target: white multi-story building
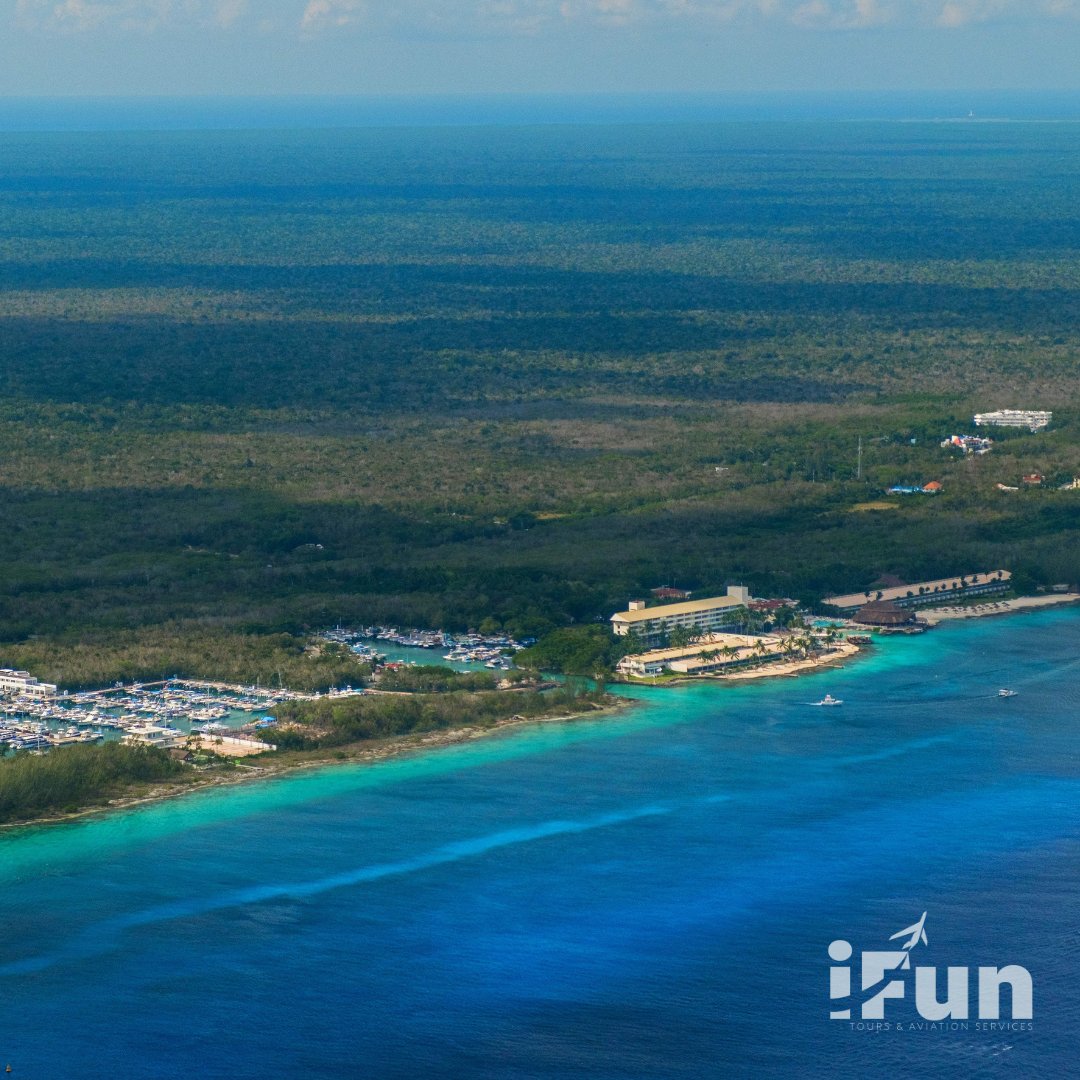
(23, 684)
(698, 616)
(1031, 419)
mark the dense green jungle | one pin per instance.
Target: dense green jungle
(256, 384)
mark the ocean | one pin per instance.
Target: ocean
(645, 896)
(308, 112)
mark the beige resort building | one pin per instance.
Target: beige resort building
(731, 650)
(698, 616)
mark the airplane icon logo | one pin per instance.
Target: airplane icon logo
(916, 933)
(884, 980)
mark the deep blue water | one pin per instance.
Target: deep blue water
(647, 896)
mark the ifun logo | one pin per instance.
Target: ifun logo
(886, 975)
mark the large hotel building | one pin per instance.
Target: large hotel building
(698, 616)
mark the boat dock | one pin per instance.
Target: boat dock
(162, 713)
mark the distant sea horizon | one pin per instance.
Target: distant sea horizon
(52, 114)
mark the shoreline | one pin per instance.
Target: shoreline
(935, 616)
(778, 670)
(841, 653)
(793, 668)
(395, 746)
(353, 754)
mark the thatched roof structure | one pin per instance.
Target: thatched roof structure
(884, 613)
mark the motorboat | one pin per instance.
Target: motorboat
(1006, 693)
(828, 699)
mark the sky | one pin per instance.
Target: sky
(373, 47)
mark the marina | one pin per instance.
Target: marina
(370, 645)
(163, 713)
(167, 713)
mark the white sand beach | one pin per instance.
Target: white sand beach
(1000, 607)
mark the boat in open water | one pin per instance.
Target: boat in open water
(1006, 693)
(828, 699)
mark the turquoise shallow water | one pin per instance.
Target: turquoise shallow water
(647, 896)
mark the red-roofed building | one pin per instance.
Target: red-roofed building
(770, 605)
(666, 592)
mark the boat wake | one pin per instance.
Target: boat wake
(102, 937)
